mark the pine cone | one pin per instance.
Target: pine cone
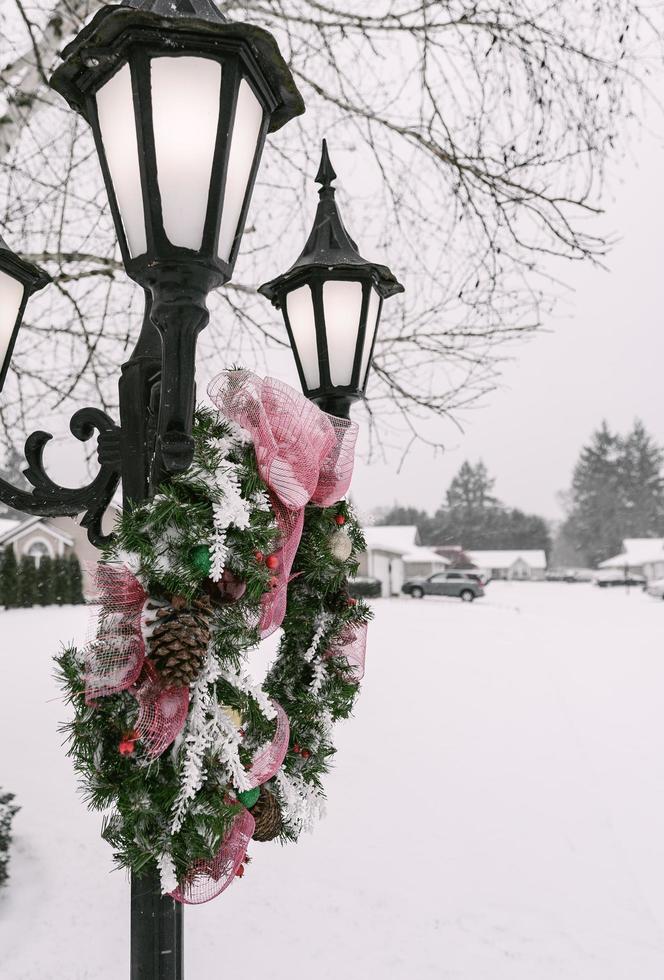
(179, 639)
(267, 814)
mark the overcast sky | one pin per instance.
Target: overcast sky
(601, 357)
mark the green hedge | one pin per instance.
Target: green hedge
(365, 588)
(7, 812)
(55, 581)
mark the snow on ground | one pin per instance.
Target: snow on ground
(497, 810)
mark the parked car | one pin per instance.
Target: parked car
(615, 578)
(483, 578)
(569, 575)
(364, 587)
(656, 588)
(457, 584)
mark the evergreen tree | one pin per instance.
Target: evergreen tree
(27, 582)
(407, 516)
(471, 490)
(617, 492)
(597, 517)
(473, 518)
(8, 578)
(45, 583)
(60, 581)
(75, 576)
(642, 485)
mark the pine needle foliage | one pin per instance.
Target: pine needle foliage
(161, 541)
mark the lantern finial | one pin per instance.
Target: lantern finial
(203, 9)
(326, 172)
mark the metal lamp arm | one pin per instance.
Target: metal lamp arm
(48, 499)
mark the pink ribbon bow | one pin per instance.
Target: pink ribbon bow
(115, 654)
(303, 455)
(207, 879)
(351, 644)
(115, 660)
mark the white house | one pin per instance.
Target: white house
(640, 556)
(394, 554)
(529, 565)
(54, 537)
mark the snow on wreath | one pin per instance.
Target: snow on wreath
(187, 757)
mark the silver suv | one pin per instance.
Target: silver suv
(458, 584)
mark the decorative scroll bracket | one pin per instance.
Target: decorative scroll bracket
(47, 499)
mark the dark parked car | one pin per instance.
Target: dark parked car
(456, 584)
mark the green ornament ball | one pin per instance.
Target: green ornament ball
(201, 559)
(249, 797)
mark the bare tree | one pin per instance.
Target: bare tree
(473, 137)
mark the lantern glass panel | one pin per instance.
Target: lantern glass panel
(115, 108)
(300, 310)
(246, 131)
(342, 301)
(369, 335)
(11, 297)
(186, 93)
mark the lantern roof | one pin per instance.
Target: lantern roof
(30, 275)
(330, 246)
(175, 24)
(205, 9)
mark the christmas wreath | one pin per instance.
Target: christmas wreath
(187, 756)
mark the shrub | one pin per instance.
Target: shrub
(8, 578)
(28, 587)
(365, 588)
(7, 812)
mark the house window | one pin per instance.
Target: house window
(38, 550)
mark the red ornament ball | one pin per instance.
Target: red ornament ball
(126, 747)
(351, 601)
(340, 520)
(306, 753)
(272, 562)
(259, 556)
(240, 871)
(296, 749)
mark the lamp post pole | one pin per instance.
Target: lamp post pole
(157, 921)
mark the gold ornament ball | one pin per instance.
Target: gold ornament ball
(341, 545)
(233, 715)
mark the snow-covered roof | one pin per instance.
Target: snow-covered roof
(505, 559)
(11, 531)
(421, 554)
(7, 525)
(397, 538)
(637, 551)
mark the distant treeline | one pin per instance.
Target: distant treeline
(471, 516)
(52, 581)
(617, 492)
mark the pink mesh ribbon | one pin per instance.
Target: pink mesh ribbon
(114, 656)
(303, 455)
(351, 644)
(162, 711)
(206, 880)
(268, 762)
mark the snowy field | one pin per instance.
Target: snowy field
(497, 812)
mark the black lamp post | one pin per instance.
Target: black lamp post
(180, 102)
(331, 299)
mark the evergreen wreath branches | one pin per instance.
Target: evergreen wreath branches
(203, 539)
